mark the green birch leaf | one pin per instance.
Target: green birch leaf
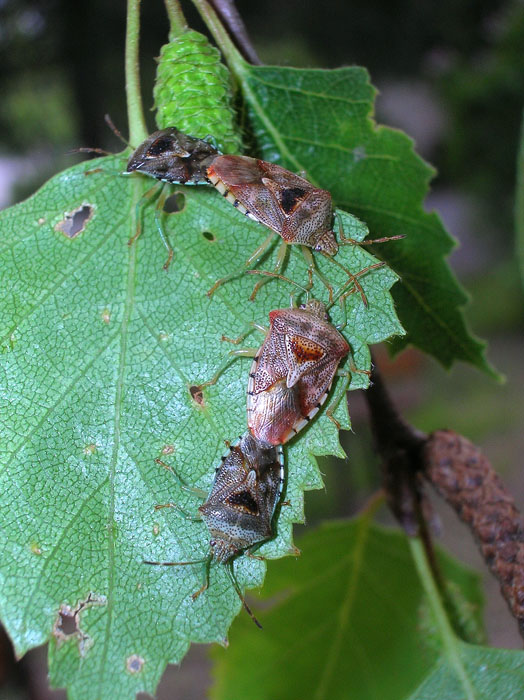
(349, 619)
(320, 122)
(101, 350)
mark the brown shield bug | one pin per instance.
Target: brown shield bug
(292, 372)
(294, 368)
(240, 507)
(286, 203)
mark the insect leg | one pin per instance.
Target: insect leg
(339, 395)
(159, 212)
(241, 352)
(205, 586)
(281, 257)
(190, 489)
(354, 279)
(259, 252)
(147, 197)
(243, 336)
(187, 516)
(313, 269)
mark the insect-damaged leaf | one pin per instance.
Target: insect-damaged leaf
(103, 355)
(319, 122)
(349, 619)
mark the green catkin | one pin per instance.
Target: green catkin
(193, 91)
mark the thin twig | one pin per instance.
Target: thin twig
(135, 112)
(234, 24)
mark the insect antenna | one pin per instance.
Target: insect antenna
(233, 579)
(372, 241)
(101, 151)
(115, 131)
(176, 563)
(89, 149)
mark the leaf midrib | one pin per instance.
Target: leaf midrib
(119, 391)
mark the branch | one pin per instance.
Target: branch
(400, 447)
(464, 477)
(234, 24)
(135, 113)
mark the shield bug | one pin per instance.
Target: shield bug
(171, 156)
(292, 372)
(294, 368)
(286, 203)
(240, 506)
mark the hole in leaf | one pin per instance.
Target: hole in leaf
(208, 235)
(74, 222)
(175, 202)
(196, 394)
(67, 623)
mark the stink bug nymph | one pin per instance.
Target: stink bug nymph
(240, 507)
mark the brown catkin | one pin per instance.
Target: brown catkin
(465, 478)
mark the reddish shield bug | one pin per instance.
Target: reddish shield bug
(240, 507)
(293, 370)
(284, 202)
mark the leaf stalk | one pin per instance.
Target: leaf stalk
(135, 112)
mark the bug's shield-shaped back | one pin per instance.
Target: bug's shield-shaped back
(293, 372)
(284, 202)
(245, 492)
(240, 180)
(172, 156)
(303, 355)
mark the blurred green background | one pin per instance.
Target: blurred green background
(450, 74)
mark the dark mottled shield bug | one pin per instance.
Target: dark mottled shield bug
(240, 507)
(171, 156)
